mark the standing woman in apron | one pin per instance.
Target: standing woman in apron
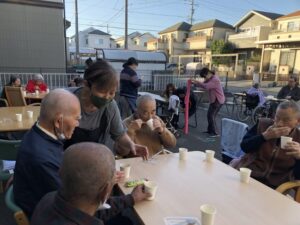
(100, 117)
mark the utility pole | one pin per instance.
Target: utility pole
(126, 25)
(191, 17)
(76, 35)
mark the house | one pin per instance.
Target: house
(32, 37)
(253, 27)
(281, 51)
(92, 38)
(202, 34)
(136, 41)
(171, 40)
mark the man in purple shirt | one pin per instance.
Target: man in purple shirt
(213, 85)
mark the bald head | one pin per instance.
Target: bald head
(144, 99)
(87, 169)
(58, 102)
(146, 107)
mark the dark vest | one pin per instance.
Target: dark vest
(270, 164)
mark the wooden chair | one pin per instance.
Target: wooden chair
(20, 216)
(8, 151)
(3, 102)
(15, 96)
(291, 185)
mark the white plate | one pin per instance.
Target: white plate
(181, 221)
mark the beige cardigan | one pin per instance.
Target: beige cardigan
(147, 137)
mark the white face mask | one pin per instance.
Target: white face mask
(104, 205)
(60, 134)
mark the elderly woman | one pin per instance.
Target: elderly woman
(36, 84)
(100, 119)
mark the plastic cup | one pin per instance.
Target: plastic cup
(48, 90)
(19, 117)
(24, 93)
(208, 214)
(151, 188)
(183, 153)
(284, 140)
(150, 124)
(210, 155)
(37, 92)
(245, 175)
(30, 114)
(126, 169)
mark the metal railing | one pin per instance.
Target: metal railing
(154, 81)
(53, 80)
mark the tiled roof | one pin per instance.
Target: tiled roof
(211, 23)
(183, 26)
(294, 14)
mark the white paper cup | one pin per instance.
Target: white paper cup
(19, 117)
(183, 153)
(37, 92)
(150, 124)
(210, 155)
(245, 175)
(48, 90)
(208, 214)
(24, 93)
(126, 169)
(151, 188)
(30, 114)
(284, 140)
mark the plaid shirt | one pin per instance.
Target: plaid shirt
(54, 210)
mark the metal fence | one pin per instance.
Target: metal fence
(53, 80)
(154, 81)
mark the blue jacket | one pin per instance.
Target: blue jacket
(129, 83)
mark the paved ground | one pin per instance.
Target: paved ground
(194, 141)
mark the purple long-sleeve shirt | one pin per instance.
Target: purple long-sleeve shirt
(214, 88)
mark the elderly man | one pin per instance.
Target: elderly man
(145, 128)
(87, 175)
(40, 155)
(36, 84)
(270, 164)
(290, 91)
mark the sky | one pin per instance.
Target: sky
(156, 15)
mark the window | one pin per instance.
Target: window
(118, 46)
(145, 44)
(99, 41)
(135, 42)
(86, 41)
(293, 26)
(288, 58)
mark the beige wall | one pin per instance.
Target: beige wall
(283, 24)
(297, 63)
(220, 33)
(31, 37)
(255, 20)
(274, 61)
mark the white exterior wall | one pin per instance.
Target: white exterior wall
(93, 41)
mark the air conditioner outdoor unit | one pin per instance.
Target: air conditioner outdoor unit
(250, 70)
(284, 70)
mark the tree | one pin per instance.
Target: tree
(221, 47)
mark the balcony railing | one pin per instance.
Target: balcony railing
(249, 34)
(199, 38)
(294, 29)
